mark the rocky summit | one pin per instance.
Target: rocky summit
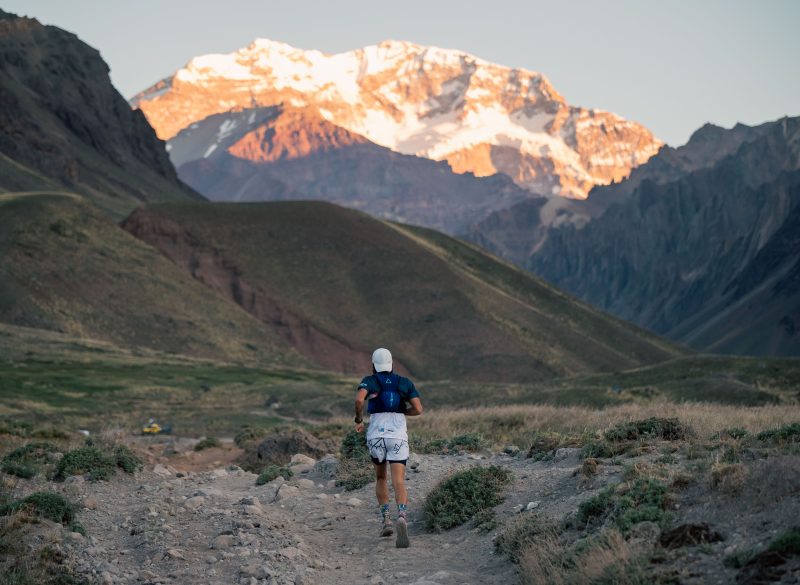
(434, 103)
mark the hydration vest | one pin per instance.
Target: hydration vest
(388, 398)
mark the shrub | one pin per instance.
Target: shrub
(642, 499)
(734, 433)
(669, 429)
(596, 506)
(470, 442)
(739, 559)
(787, 543)
(645, 500)
(126, 460)
(602, 450)
(786, 434)
(354, 446)
(45, 504)
(207, 443)
(248, 434)
(15, 427)
(18, 469)
(273, 472)
(461, 496)
(86, 460)
(25, 461)
(97, 463)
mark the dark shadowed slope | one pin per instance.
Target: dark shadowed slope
(63, 125)
(708, 259)
(340, 283)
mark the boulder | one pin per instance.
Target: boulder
(279, 448)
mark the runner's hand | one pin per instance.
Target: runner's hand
(360, 427)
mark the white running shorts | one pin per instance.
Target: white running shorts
(388, 449)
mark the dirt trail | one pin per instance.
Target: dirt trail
(218, 527)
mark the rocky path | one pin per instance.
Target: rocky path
(218, 527)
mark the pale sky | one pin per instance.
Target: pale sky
(672, 66)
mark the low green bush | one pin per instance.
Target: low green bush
(602, 450)
(273, 472)
(99, 464)
(27, 461)
(86, 461)
(20, 470)
(645, 500)
(354, 446)
(628, 504)
(668, 429)
(786, 434)
(45, 504)
(207, 443)
(469, 442)
(461, 496)
(126, 460)
(597, 506)
(788, 543)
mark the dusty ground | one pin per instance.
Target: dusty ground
(194, 518)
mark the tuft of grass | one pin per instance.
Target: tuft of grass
(739, 558)
(728, 478)
(44, 504)
(458, 498)
(273, 472)
(353, 474)
(786, 434)
(668, 429)
(520, 533)
(207, 443)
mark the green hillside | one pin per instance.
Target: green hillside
(340, 283)
(65, 266)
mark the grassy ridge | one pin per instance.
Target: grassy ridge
(447, 310)
(65, 266)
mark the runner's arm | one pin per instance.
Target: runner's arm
(360, 399)
(416, 407)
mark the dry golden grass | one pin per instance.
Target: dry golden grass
(610, 559)
(501, 424)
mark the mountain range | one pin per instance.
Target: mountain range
(440, 104)
(281, 284)
(700, 245)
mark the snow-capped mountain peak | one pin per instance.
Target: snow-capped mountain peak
(442, 104)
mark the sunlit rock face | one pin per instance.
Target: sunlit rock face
(435, 103)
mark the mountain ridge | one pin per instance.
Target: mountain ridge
(436, 103)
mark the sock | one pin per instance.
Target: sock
(384, 511)
(402, 510)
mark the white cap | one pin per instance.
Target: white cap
(382, 360)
